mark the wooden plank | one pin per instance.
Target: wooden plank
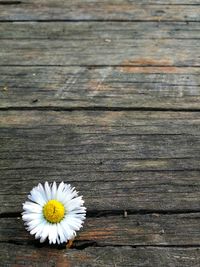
(164, 191)
(100, 10)
(134, 230)
(121, 87)
(107, 31)
(14, 255)
(135, 52)
(144, 163)
(134, 160)
(89, 44)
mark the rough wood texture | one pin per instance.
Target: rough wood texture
(100, 10)
(107, 31)
(134, 230)
(93, 43)
(14, 255)
(126, 87)
(149, 154)
(105, 95)
(166, 52)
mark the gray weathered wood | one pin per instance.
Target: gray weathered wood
(62, 65)
(100, 10)
(93, 43)
(147, 191)
(74, 87)
(134, 52)
(134, 230)
(107, 31)
(15, 255)
(148, 154)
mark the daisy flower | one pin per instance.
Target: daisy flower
(54, 212)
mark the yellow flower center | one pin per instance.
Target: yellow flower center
(53, 211)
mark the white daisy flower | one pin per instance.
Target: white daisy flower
(54, 212)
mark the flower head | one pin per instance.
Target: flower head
(54, 212)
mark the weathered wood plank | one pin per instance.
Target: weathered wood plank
(107, 31)
(143, 162)
(134, 52)
(74, 87)
(99, 44)
(152, 157)
(134, 230)
(99, 10)
(147, 191)
(14, 255)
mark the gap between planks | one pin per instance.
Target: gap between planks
(122, 213)
(134, 230)
(99, 108)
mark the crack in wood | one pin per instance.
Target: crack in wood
(98, 108)
(8, 3)
(98, 20)
(107, 213)
(83, 244)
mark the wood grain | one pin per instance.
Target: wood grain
(14, 255)
(104, 95)
(96, 31)
(134, 230)
(153, 157)
(100, 10)
(135, 52)
(115, 87)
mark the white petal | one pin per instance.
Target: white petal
(42, 191)
(37, 197)
(73, 222)
(60, 233)
(36, 229)
(78, 216)
(69, 233)
(54, 190)
(52, 233)
(32, 207)
(60, 187)
(66, 194)
(40, 230)
(32, 224)
(47, 190)
(77, 211)
(45, 232)
(74, 203)
(55, 233)
(31, 216)
(60, 194)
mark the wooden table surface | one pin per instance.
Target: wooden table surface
(105, 95)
